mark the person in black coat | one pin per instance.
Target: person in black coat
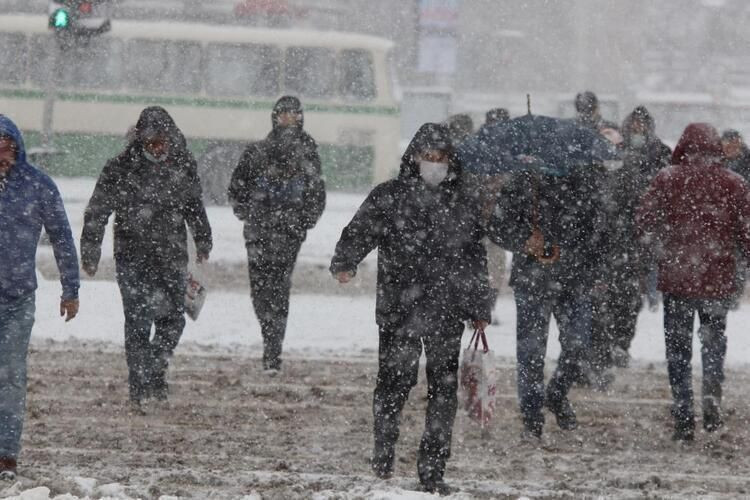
(154, 191)
(627, 261)
(278, 192)
(553, 226)
(432, 276)
(737, 159)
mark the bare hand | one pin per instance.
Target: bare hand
(344, 277)
(201, 257)
(479, 324)
(90, 269)
(69, 308)
(535, 244)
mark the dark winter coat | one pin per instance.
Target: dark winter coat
(699, 215)
(429, 242)
(277, 190)
(30, 201)
(626, 258)
(152, 202)
(741, 164)
(568, 211)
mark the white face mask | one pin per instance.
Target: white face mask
(637, 140)
(154, 159)
(433, 173)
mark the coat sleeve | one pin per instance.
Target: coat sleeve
(195, 212)
(510, 223)
(363, 234)
(743, 218)
(315, 189)
(481, 294)
(101, 205)
(650, 212)
(57, 227)
(243, 184)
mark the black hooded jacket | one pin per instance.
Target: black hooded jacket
(152, 202)
(277, 188)
(429, 245)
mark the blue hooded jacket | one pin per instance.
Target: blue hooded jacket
(30, 201)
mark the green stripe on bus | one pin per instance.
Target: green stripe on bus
(198, 102)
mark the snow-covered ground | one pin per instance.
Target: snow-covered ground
(331, 346)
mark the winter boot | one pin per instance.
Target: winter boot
(563, 411)
(532, 427)
(684, 430)
(8, 469)
(437, 486)
(711, 415)
(382, 462)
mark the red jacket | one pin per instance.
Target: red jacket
(698, 214)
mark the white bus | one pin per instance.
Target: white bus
(218, 82)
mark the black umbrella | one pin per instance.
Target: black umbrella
(552, 146)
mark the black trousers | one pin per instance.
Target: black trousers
(614, 323)
(399, 352)
(155, 298)
(679, 314)
(270, 287)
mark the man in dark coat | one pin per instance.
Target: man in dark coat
(552, 226)
(626, 262)
(29, 201)
(696, 214)
(737, 159)
(432, 275)
(589, 115)
(736, 153)
(278, 192)
(154, 191)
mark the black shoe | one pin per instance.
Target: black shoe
(382, 464)
(564, 414)
(532, 427)
(437, 486)
(8, 469)
(683, 434)
(711, 415)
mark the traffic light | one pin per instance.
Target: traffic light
(76, 21)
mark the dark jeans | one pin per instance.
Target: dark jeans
(270, 287)
(16, 321)
(615, 318)
(679, 314)
(572, 311)
(151, 297)
(399, 352)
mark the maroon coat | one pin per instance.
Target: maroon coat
(698, 214)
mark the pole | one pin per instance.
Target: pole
(50, 94)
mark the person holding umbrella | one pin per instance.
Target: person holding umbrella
(432, 276)
(549, 215)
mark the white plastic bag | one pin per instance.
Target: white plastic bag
(195, 296)
(478, 377)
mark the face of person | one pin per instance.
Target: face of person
(158, 146)
(732, 147)
(434, 156)
(7, 155)
(287, 119)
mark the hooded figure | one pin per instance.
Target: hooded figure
(153, 189)
(432, 275)
(29, 201)
(278, 192)
(627, 262)
(696, 214)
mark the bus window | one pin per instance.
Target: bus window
(357, 74)
(146, 65)
(95, 66)
(240, 70)
(309, 71)
(184, 71)
(13, 57)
